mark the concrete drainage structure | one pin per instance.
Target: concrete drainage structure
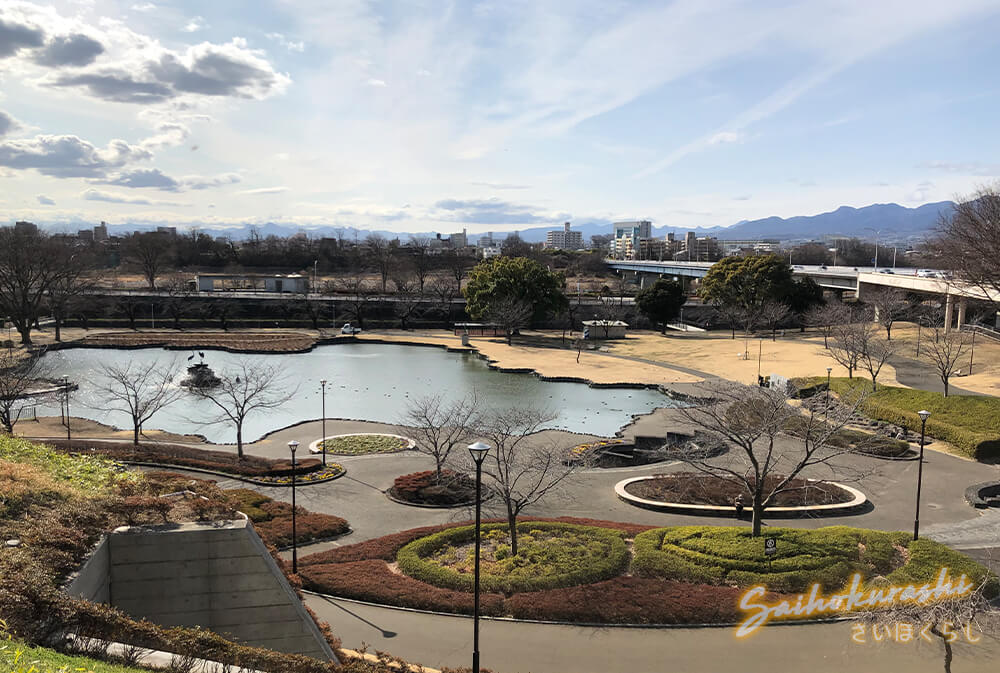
(217, 575)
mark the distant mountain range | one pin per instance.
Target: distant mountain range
(894, 223)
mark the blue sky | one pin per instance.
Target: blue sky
(434, 116)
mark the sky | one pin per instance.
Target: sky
(427, 115)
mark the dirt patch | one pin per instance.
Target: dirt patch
(700, 489)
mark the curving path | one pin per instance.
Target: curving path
(511, 647)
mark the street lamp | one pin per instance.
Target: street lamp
(877, 233)
(924, 415)
(292, 446)
(65, 382)
(322, 442)
(478, 452)
(828, 372)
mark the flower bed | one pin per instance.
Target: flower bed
(425, 488)
(362, 443)
(693, 488)
(320, 474)
(550, 555)
(582, 453)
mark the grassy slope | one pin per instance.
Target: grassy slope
(16, 657)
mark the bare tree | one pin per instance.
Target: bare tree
(771, 312)
(19, 373)
(874, 352)
(381, 255)
(607, 311)
(750, 419)
(457, 264)
(890, 304)
(522, 468)
(826, 317)
(944, 351)
(358, 296)
(732, 313)
(510, 313)
(947, 619)
(408, 300)
(247, 388)
(178, 297)
(152, 252)
(969, 239)
(442, 425)
(65, 294)
(848, 342)
(30, 264)
(444, 291)
(139, 390)
(420, 258)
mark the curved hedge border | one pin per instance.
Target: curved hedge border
(412, 560)
(677, 553)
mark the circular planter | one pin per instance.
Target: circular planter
(857, 502)
(316, 446)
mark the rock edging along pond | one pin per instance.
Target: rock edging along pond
(858, 501)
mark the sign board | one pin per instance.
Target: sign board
(770, 546)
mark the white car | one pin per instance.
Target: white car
(348, 328)
(926, 273)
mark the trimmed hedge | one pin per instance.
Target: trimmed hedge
(373, 581)
(970, 423)
(828, 556)
(412, 559)
(424, 488)
(273, 519)
(848, 438)
(187, 456)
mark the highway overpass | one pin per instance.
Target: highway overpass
(836, 278)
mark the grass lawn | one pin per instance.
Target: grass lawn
(16, 657)
(971, 423)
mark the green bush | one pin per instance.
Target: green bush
(970, 423)
(602, 555)
(828, 556)
(249, 502)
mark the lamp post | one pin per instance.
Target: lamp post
(322, 442)
(65, 381)
(478, 452)
(972, 351)
(829, 370)
(292, 446)
(924, 415)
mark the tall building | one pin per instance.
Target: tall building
(458, 240)
(25, 228)
(704, 249)
(173, 231)
(564, 239)
(627, 237)
(486, 240)
(101, 232)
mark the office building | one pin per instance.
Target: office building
(564, 239)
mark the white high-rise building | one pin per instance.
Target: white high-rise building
(628, 235)
(564, 239)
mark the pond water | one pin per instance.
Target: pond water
(372, 382)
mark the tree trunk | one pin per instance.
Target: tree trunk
(758, 515)
(874, 388)
(58, 335)
(948, 654)
(512, 525)
(135, 434)
(946, 387)
(825, 344)
(239, 440)
(25, 333)
(510, 337)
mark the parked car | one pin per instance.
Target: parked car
(886, 271)
(350, 329)
(926, 273)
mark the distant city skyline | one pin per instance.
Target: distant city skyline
(488, 115)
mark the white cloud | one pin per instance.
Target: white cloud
(723, 137)
(7, 124)
(297, 46)
(194, 25)
(110, 197)
(44, 200)
(264, 190)
(68, 156)
(376, 82)
(144, 7)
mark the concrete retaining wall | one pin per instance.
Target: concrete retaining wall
(218, 576)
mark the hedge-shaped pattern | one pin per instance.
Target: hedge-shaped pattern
(412, 560)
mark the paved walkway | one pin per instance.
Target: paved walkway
(511, 647)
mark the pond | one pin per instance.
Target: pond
(372, 382)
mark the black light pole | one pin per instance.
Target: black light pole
(478, 451)
(972, 351)
(920, 471)
(292, 445)
(829, 370)
(65, 380)
(322, 442)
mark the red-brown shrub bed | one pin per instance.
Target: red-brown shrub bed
(273, 519)
(188, 456)
(694, 488)
(427, 488)
(373, 581)
(630, 600)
